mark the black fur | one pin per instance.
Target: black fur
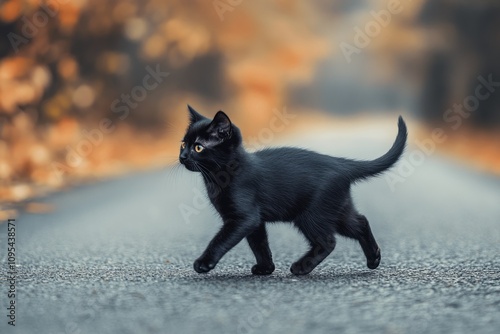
(309, 189)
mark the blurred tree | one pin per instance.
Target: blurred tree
(66, 65)
(464, 39)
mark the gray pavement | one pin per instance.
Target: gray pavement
(116, 257)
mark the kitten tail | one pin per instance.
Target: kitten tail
(360, 170)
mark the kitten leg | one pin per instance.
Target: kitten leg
(260, 247)
(321, 247)
(228, 236)
(357, 227)
(368, 243)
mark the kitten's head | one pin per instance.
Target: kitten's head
(209, 144)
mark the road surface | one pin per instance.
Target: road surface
(116, 257)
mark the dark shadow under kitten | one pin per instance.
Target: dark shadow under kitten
(309, 189)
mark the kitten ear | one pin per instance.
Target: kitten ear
(221, 125)
(194, 116)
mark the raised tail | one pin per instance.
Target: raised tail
(359, 170)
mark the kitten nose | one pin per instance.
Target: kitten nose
(183, 157)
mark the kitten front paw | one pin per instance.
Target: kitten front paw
(203, 266)
(373, 264)
(260, 269)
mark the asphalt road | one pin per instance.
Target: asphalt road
(116, 257)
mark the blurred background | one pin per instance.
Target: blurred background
(95, 88)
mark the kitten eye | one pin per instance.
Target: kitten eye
(183, 145)
(198, 148)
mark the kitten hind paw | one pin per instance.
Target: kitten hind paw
(299, 268)
(201, 266)
(260, 269)
(373, 264)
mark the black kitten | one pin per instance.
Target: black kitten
(309, 189)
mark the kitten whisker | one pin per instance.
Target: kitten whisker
(205, 171)
(218, 165)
